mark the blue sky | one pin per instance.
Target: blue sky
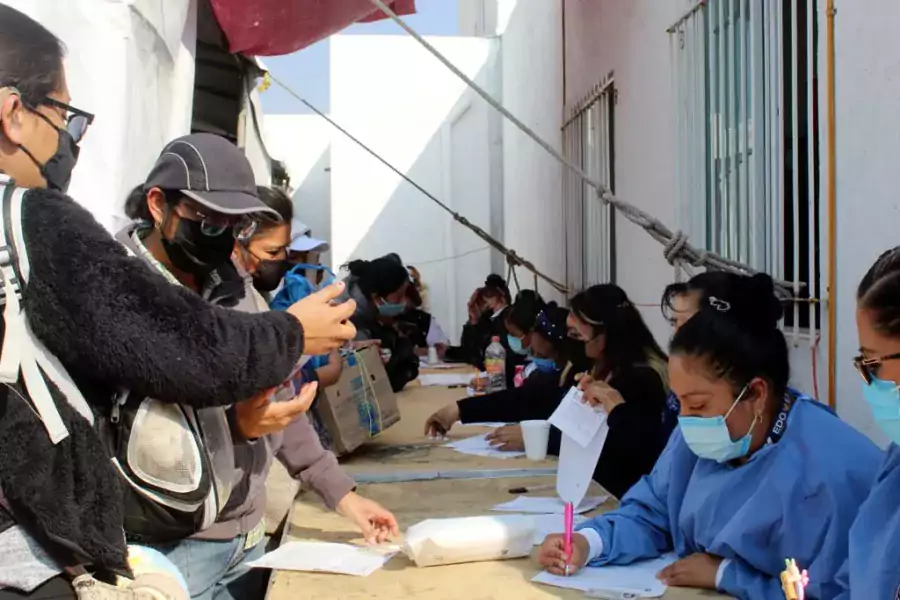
(306, 71)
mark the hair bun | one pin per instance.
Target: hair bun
(750, 301)
(495, 280)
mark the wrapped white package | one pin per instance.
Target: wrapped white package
(469, 539)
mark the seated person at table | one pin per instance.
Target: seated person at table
(873, 567)
(540, 394)
(417, 323)
(754, 473)
(629, 380)
(379, 289)
(487, 312)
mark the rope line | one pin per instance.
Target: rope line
(512, 258)
(677, 248)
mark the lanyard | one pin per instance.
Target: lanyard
(779, 426)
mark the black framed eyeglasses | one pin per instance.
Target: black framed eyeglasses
(868, 367)
(77, 120)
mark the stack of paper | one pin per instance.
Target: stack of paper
(638, 578)
(323, 557)
(548, 506)
(445, 379)
(491, 424)
(479, 446)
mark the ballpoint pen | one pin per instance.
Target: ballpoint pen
(570, 523)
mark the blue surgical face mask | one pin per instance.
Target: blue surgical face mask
(884, 399)
(544, 364)
(391, 310)
(515, 344)
(708, 437)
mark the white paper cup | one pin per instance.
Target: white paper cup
(432, 355)
(536, 435)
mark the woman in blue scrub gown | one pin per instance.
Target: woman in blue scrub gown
(754, 474)
(873, 567)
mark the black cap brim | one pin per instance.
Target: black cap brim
(231, 203)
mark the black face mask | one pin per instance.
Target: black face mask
(269, 274)
(194, 252)
(57, 171)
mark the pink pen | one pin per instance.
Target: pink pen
(570, 522)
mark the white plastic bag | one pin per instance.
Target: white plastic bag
(469, 539)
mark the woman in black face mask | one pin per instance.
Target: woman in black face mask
(264, 254)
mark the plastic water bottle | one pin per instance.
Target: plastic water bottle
(495, 365)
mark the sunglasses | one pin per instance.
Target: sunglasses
(77, 120)
(868, 367)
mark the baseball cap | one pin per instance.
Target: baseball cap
(301, 241)
(211, 170)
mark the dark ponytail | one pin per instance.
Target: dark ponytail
(525, 310)
(380, 277)
(738, 336)
(879, 293)
(716, 283)
(137, 209)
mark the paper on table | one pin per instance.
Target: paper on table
(423, 363)
(638, 578)
(547, 506)
(576, 419)
(323, 557)
(485, 424)
(544, 525)
(577, 464)
(444, 379)
(479, 446)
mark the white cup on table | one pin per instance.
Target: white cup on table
(433, 356)
(536, 435)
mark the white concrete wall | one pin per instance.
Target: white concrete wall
(303, 142)
(868, 144)
(400, 101)
(531, 48)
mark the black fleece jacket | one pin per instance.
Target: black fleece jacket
(115, 323)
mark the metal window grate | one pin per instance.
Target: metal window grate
(589, 142)
(745, 79)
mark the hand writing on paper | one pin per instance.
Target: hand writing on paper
(259, 416)
(697, 570)
(376, 523)
(600, 393)
(326, 325)
(440, 423)
(552, 554)
(507, 438)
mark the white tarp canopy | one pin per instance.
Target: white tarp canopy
(131, 63)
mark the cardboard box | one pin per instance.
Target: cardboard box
(359, 406)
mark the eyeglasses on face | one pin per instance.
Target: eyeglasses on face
(214, 225)
(77, 120)
(868, 367)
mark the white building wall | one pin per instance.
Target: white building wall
(531, 48)
(400, 101)
(303, 142)
(868, 144)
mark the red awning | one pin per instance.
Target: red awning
(274, 27)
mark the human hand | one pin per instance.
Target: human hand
(259, 416)
(376, 522)
(479, 384)
(440, 423)
(326, 325)
(552, 554)
(600, 393)
(583, 380)
(507, 438)
(697, 571)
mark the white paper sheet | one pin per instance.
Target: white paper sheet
(441, 366)
(547, 506)
(577, 464)
(578, 420)
(545, 525)
(445, 379)
(323, 557)
(478, 446)
(492, 425)
(638, 578)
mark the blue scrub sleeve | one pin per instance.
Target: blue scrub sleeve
(743, 581)
(639, 528)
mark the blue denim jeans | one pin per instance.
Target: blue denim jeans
(217, 570)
